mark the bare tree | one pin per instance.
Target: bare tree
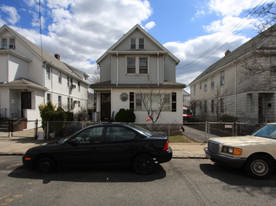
(265, 16)
(153, 103)
(96, 76)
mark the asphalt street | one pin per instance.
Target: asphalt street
(178, 182)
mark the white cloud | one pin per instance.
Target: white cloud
(150, 25)
(12, 13)
(198, 54)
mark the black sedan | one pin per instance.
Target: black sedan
(103, 144)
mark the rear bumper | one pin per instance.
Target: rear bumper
(164, 156)
(225, 160)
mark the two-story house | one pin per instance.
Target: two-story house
(30, 77)
(135, 73)
(241, 84)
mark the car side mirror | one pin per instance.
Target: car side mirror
(74, 142)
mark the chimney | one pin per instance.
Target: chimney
(57, 56)
(227, 52)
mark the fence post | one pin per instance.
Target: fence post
(236, 129)
(36, 128)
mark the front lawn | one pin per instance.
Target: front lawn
(180, 139)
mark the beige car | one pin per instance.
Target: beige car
(256, 154)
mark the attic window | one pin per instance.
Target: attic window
(4, 44)
(132, 43)
(141, 43)
(12, 43)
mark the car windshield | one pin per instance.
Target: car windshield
(268, 131)
(143, 130)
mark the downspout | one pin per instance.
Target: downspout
(236, 91)
(117, 82)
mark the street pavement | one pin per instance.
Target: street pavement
(21, 141)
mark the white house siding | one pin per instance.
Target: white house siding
(166, 117)
(17, 68)
(4, 68)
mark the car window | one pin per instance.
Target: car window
(268, 131)
(90, 136)
(117, 133)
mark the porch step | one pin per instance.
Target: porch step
(4, 125)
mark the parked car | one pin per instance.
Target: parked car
(256, 154)
(103, 144)
(187, 114)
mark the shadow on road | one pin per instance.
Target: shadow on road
(237, 177)
(99, 174)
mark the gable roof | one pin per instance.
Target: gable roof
(251, 45)
(125, 36)
(42, 54)
(23, 83)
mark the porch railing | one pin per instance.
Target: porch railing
(3, 112)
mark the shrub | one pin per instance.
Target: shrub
(228, 118)
(125, 116)
(82, 115)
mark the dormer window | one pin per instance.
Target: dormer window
(141, 43)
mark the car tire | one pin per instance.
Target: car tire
(143, 164)
(46, 165)
(259, 166)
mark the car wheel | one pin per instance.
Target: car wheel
(143, 164)
(259, 166)
(46, 165)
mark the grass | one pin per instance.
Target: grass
(180, 139)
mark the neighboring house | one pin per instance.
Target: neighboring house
(138, 66)
(186, 99)
(30, 77)
(242, 83)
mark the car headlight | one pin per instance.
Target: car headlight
(231, 150)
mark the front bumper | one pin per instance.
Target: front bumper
(226, 160)
(28, 161)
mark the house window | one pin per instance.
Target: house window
(143, 65)
(59, 101)
(212, 82)
(205, 106)
(212, 106)
(200, 105)
(48, 97)
(79, 86)
(173, 101)
(68, 104)
(221, 105)
(222, 78)
(154, 102)
(141, 43)
(71, 104)
(194, 89)
(48, 72)
(12, 43)
(273, 62)
(68, 81)
(205, 85)
(131, 65)
(132, 43)
(4, 44)
(200, 85)
(78, 103)
(131, 100)
(59, 77)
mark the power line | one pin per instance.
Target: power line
(220, 43)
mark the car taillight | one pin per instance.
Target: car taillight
(166, 147)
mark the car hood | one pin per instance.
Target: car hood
(244, 140)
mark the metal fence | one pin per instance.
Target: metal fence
(222, 129)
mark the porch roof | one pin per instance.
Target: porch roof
(23, 84)
(108, 84)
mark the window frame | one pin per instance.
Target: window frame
(131, 66)
(147, 66)
(222, 78)
(114, 140)
(133, 43)
(141, 45)
(6, 44)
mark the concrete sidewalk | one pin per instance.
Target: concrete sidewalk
(22, 141)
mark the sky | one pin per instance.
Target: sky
(197, 32)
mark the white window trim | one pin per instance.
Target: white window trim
(137, 65)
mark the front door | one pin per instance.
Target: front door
(26, 101)
(105, 107)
